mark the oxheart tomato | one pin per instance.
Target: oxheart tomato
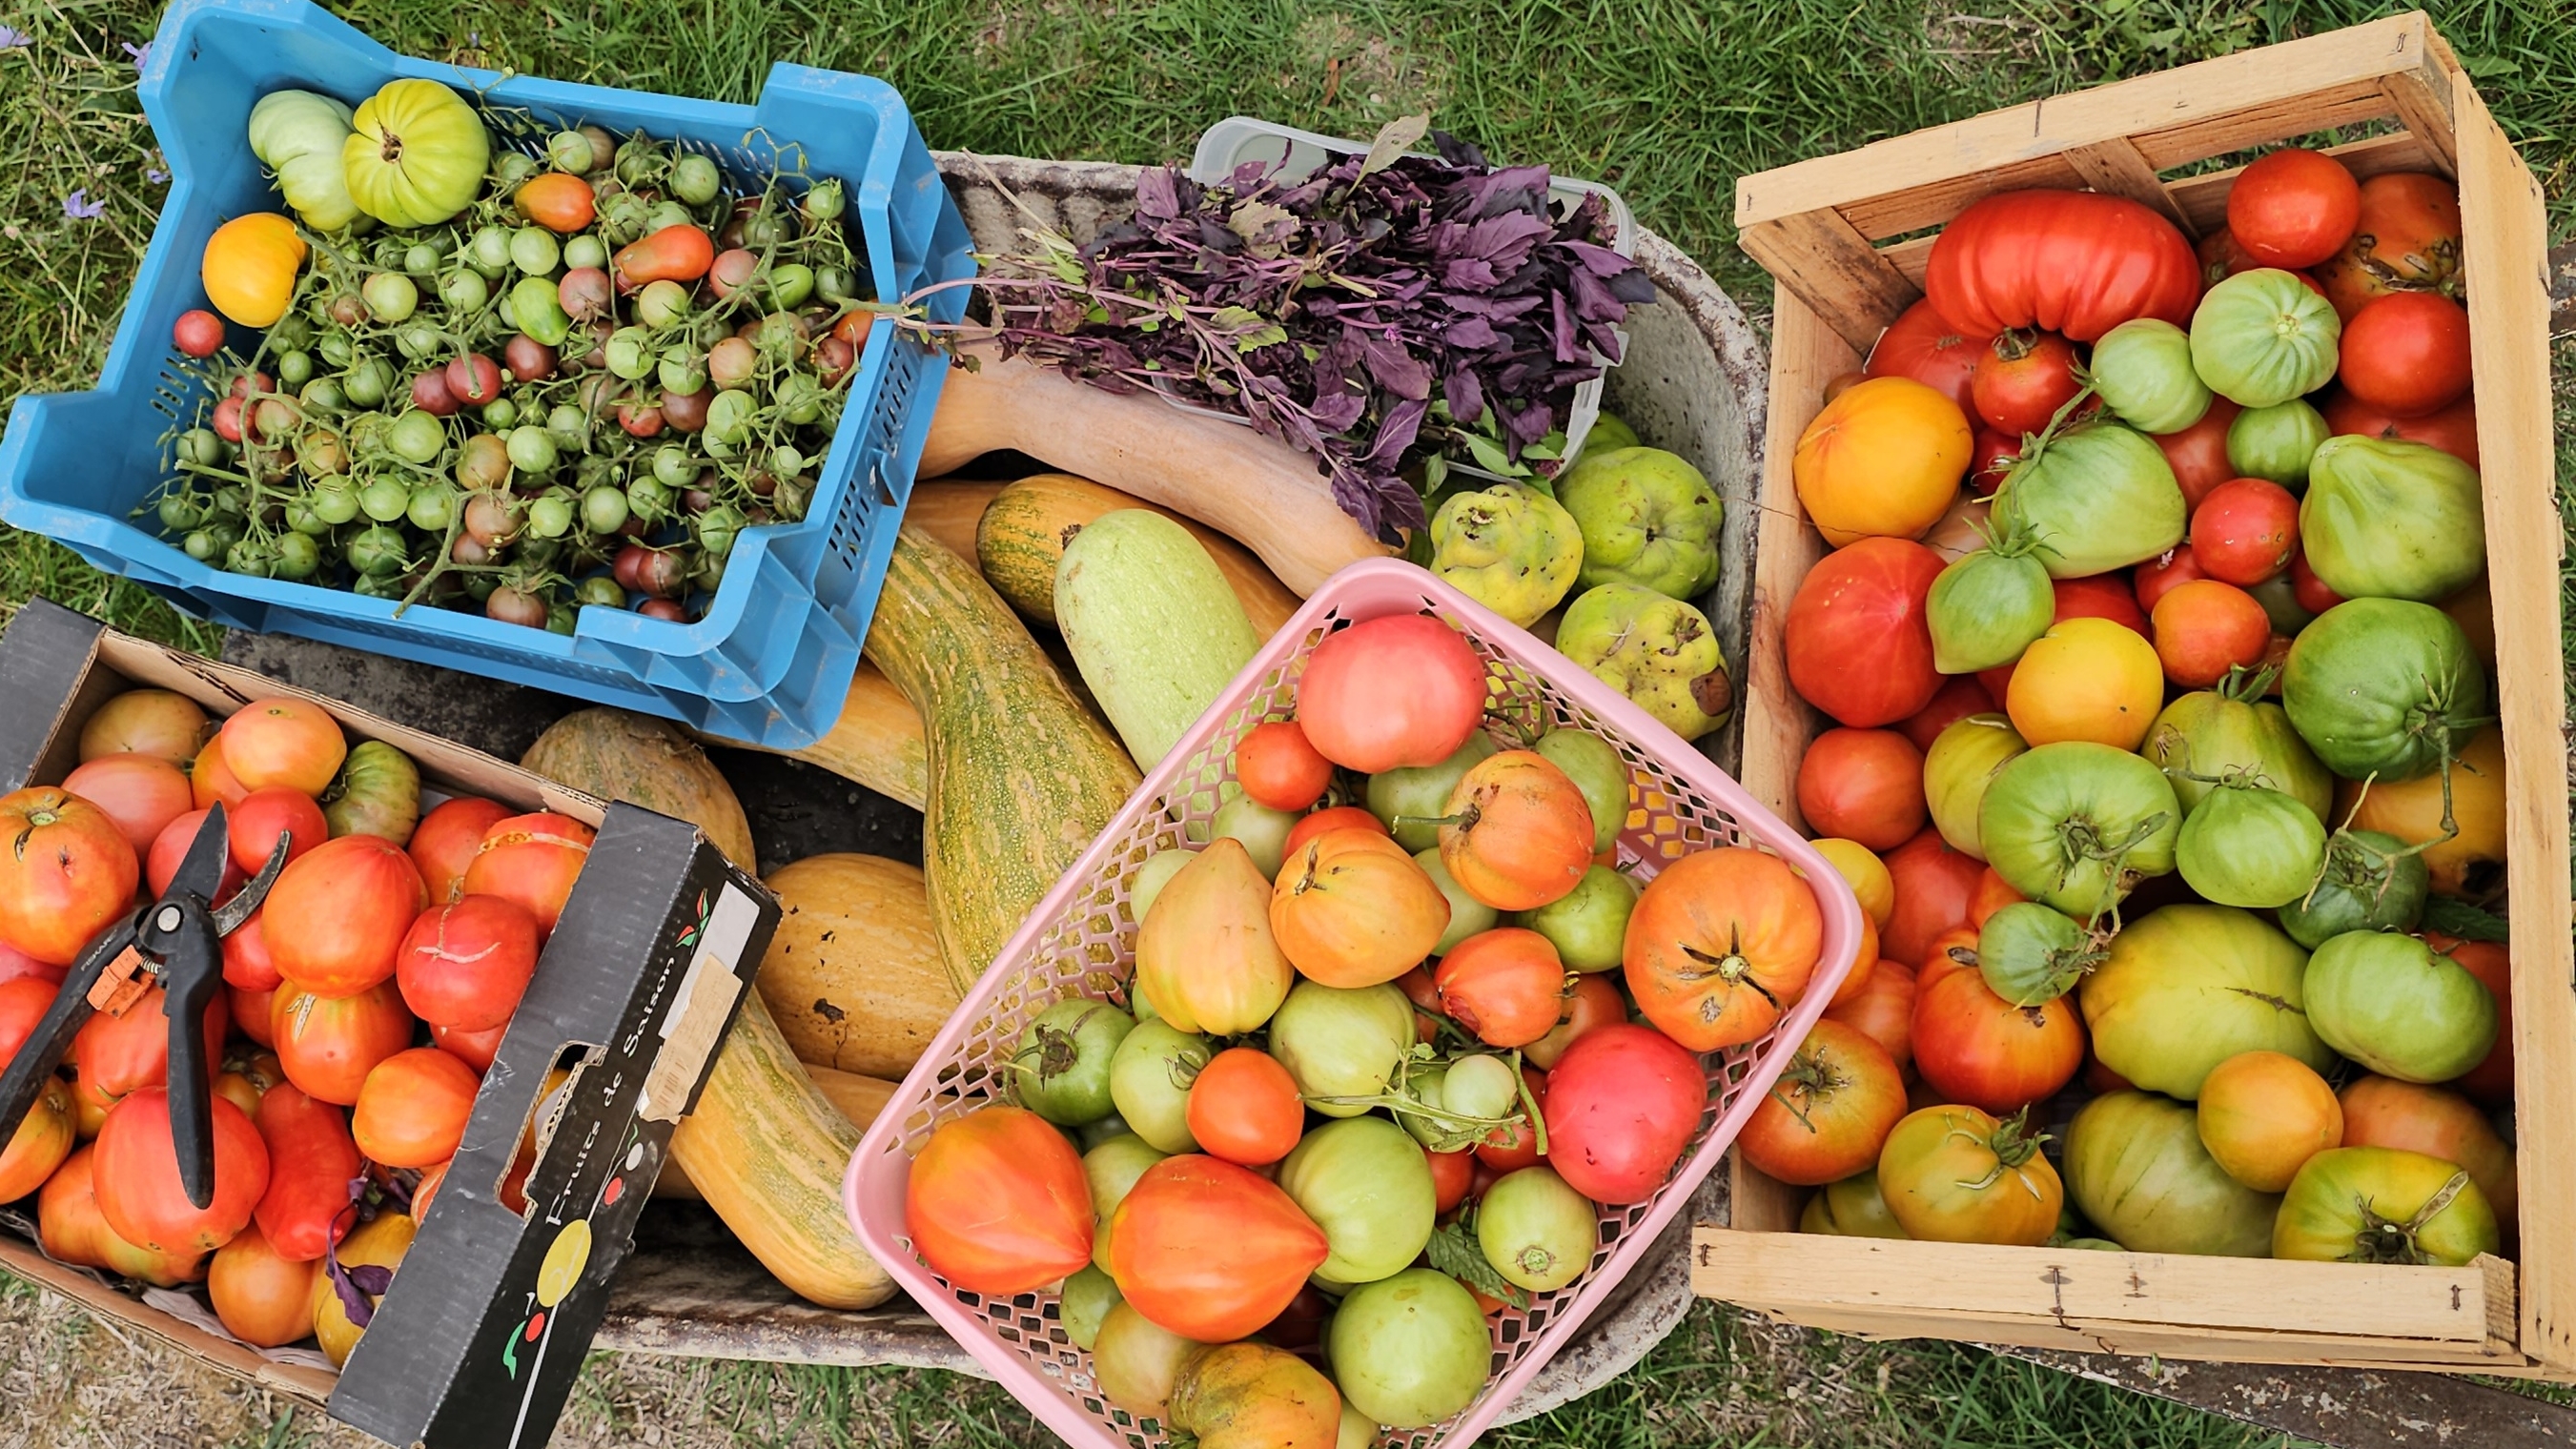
(533, 860)
(2453, 429)
(138, 1176)
(1921, 345)
(72, 1230)
(1622, 1107)
(141, 793)
(312, 1160)
(2293, 208)
(2408, 353)
(2073, 262)
(336, 917)
(1859, 639)
(1934, 882)
(1720, 945)
(2022, 379)
(1209, 1250)
(1863, 785)
(1975, 1047)
(465, 963)
(447, 839)
(1403, 691)
(329, 1044)
(1956, 1175)
(66, 871)
(1833, 1106)
(997, 1203)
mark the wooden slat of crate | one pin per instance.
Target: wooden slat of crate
(1826, 313)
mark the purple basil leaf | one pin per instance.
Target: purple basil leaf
(1465, 396)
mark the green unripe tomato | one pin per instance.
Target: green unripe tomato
(536, 310)
(416, 437)
(729, 416)
(630, 353)
(604, 510)
(673, 466)
(584, 250)
(568, 425)
(500, 414)
(432, 507)
(489, 252)
(661, 303)
(532, 450)
(390, 296)
(294, 369)
(383, 499)
(550, 516)
(695, 180)
(534, 250)
(789, 285)
(335, 500)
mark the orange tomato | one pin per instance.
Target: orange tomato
(997, 1203)
(1882, 460)
(532, 859)
(2205, 628)
(1340, 817)
(1520, 832)
(2411, 810)
(1992, 894)
(45, 1136)
(1593, 1003)
(2086, 679)
(1830, 1111)
(1244, 1107)
(1864, 872)
(2490, 1081)
(1864, 961)
(264, 1299)
(1884, 1009)
(1942, 957)
(1720, 945)
(328, 1045)
(1278, 768)
(1975, 1047)
(249, 266)
(1863, 785)
(2263, 1113)
(211, 780)
(283, 742)
(69, 871)
(1506, 985)
(412, 1107)
(1351, 909)
(557, 201)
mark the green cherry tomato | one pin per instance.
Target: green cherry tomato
(648, 498)
(432, 507)
(600, 591)
(391, 296)
(536, 310)
(667, 214)
(826, 201)
(464, 290)
(800, 398)
(368, 382)
(417, 436)
(533, 250)
(681, 372)
(378, 553)
(661, 303)
(604, 510)
(335, 500)
(383, 499)
(695, 180)
(532, 450)
(630, 353)
(294, 369)
(729, 415)
(500, 414)
(567, 425)
(674, 467)
(584, 250)
(322, 394)
(550, 516)
(489, 253)
(790, 284)
(297, 556)
(420, 259)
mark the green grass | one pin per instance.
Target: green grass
(1669, 100)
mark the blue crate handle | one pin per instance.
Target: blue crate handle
(770, 661)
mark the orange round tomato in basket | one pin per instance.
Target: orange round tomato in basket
(996, 1203)
(1975, 1047)
(283, 742)
(1279, 768)
(1244, 1108)
(1721, 944)
(1882, 460)
(1506, 985)
(1351, 909)
(1518, 832)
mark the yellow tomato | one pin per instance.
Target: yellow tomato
(250, 265)
(2087, 679)
(1866, 874)
(2411, 810)
(1882, 460)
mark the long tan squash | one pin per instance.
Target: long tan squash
(1021, 775)
(765, 1147)
(1025, 528)
(649, 762)
(877, 741)
(948, 508)
(859, 1098)
(1258, 490)
(853, 974)
(768, 1149)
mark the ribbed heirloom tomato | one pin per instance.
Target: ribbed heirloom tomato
(1721, 944)
(141, 793)
(152, 722)
(1975, 1047)
(1956, 1175)
(997, 1203)
(1340, 817)
(1506, 985)
(533, 860)
(2086, 679)
(282, 742)
(2453, 429)
(1518, 832)
(2073, 262)
(465, 963)
(2407, 238)
(1351, 909)
(1934, 882)
(1858, 639)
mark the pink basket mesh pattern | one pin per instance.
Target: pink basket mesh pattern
(1080, 941)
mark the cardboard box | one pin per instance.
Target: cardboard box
(486, 1325)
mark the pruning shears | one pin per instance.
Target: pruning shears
(175, 942)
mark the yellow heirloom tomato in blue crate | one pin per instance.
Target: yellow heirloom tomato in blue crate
(580, 388)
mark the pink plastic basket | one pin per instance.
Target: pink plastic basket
(1081, 941)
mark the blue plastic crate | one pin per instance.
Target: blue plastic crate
(771, 660)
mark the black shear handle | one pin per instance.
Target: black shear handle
(34, 1065)
(192, 1121)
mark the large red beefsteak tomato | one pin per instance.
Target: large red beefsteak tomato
(1859, 641)
(2073, 262)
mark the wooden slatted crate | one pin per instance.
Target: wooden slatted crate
(1836, 234)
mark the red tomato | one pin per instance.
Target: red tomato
(473, 379)
(2205, 628)
(248, 963)
(2158, 577)
(445, 841)
(264, 815)
(137, 1173)
(1400, 691)
(115, 1055)
(1975, 1047)
(474, 1048)
(170, 849)
(141, 793)
(464, 965)
(262, 1297)
(1864, 785)
(16, 965)
(1279, 769)
(1920, 345)
(1243, 1107)
(411, 1109)
(672, 254)
(283, 742)
(2311, 591)
(1833, 1105)
(2453, 429)
(1622, 1106)
(997, 1203)
(2408, 239)
(2221, 258)
(1883, 1010)
(1991, 895)
(73, 1231)
(1452, 1174)
(2073, 262)
(2491, 1080)
(1506, 985)
(1201, 1247)
(2198, 454)
(1858, 639)
(337, 916)
(2102, 596)
(2406, 353)
(1990, 461)
(1594, 1003)
(1425, 996)
(24, 1000)
(198, 333)
(1340, 817)
(2245, 531)
(312, 1160)
(252, 1011)
(1933, 886)
(534, 860)
(1960, 696)
(327, 1045)
(2022, 379)
(2293, 208)
(1509, 1149)
(69, 872)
